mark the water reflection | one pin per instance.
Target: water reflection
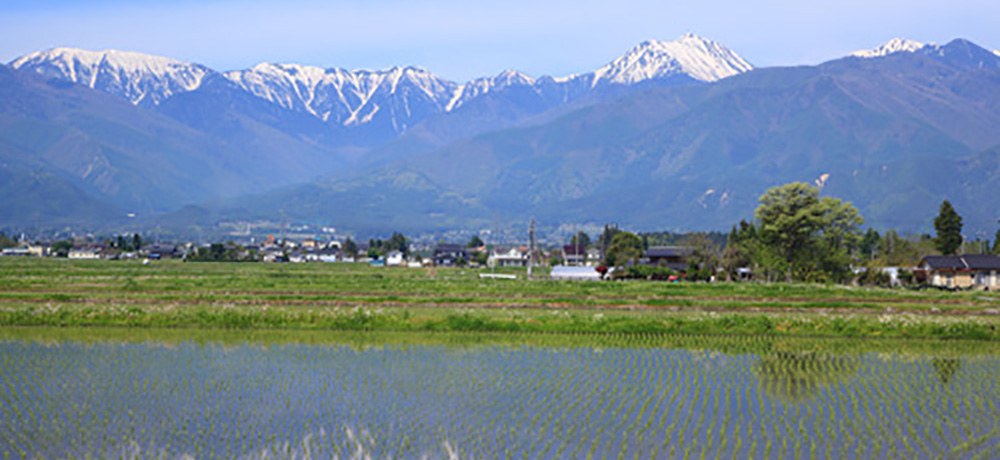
(947, 369)
(72, 393)
(794, 377)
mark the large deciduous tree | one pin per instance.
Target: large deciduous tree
(811, 234)
(624, 247)
(948, 225)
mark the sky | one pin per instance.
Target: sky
(462, 39)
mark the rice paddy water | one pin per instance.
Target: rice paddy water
(109, 394)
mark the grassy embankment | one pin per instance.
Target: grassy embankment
(357, 297)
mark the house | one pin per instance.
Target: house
(88, 254)
(38, 250)
(965, 271)
(450, 254)
(575, 255)
(672, 257)
(329, 254)
(513, 257)
(579, 256)
(16, 252)
(395, 259)
(160, 251)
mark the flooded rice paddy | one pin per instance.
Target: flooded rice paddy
(205, 395)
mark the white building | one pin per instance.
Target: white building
(395, 259)
(514, 257)
(83, 254)
(562, 272)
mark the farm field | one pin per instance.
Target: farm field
(170, 394)
(357, 297)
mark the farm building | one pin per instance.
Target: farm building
(965, 271)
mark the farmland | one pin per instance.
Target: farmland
(328, 361)
(357, 297)
(166, 394)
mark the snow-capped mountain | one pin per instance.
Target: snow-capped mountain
(141, 78)
(690, 55)
(394, 99)
(484, 85)
(895, 45)
(348, 98)
(352, 98)
(958, 52)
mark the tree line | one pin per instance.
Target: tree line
(796, 235)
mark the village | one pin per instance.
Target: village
(578, 260)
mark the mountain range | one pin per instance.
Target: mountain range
(682, 135)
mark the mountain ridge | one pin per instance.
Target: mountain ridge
(397, 98)
(894, 133)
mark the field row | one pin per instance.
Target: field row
(620, 400)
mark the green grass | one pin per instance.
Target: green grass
(49, 292)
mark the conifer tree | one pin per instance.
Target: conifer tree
(948, 225)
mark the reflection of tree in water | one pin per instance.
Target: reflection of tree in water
(946, 368)
(797, 376)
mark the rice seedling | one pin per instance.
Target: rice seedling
(626, 396)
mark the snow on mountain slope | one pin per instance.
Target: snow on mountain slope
(484, 85)
(895, 45)
(353, 98)
(141, 78)
(691, 55)
(341, 96)
(394, 99)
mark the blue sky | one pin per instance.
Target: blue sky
(462, 39)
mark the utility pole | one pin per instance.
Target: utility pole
(531, 246)
(581, 257)
(284, 227)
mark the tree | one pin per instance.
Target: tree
(705, 253)
(624, 247)
(810, 234)
(580, 240)
(898, 251)
(6, 242)
(350, 248)
(62, 248)
(870, 244)
(136, 242)
(604, 240)
(736, 253)
(996, 243)
(948, 225)
(475, 242)
(400, 243)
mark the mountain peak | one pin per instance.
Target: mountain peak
(896, 45)
(696, 57)
(964, 53)
(140, 78)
